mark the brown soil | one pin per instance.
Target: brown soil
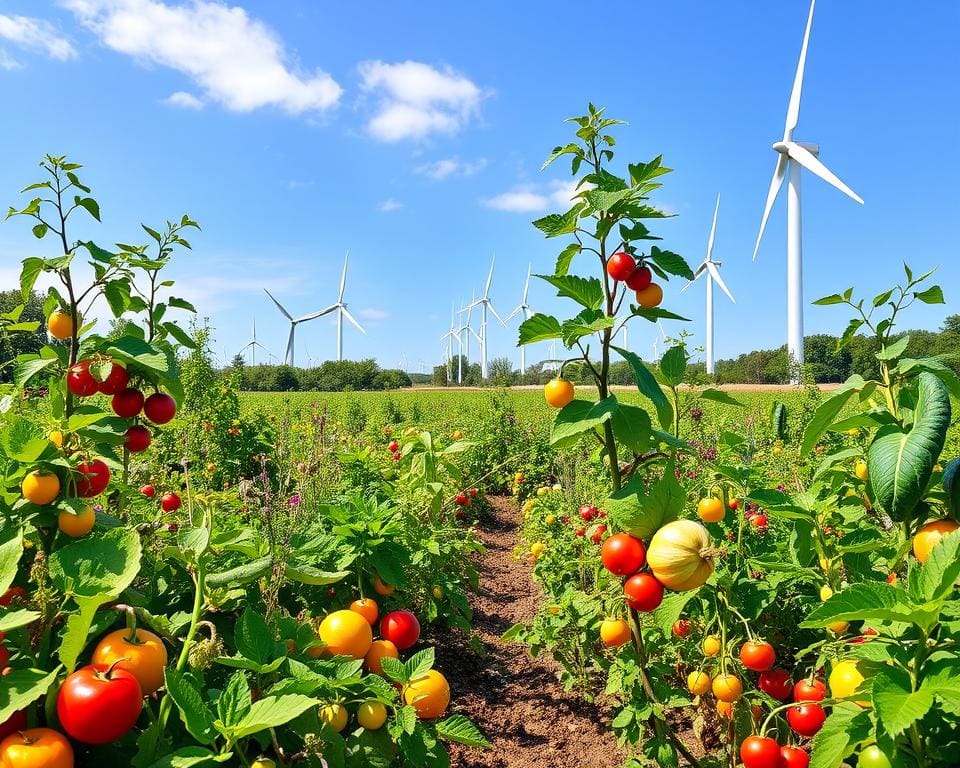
(517, 701)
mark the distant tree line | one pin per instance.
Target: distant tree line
(330, 376)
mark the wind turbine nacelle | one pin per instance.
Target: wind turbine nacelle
(783, 149)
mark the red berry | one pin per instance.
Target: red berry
(127, 403)
(759, 521)
(806, 719)
(776, 683)
(621, 265)
(640, 278)
(681, 628)
(394, 446)
(160, 408)
(643, 592)
(80, 381)
(116, 380)
(137, 439)
(170, 502)
(147, 490)
(93, 478)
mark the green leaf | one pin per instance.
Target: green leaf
(827, 411)
(868, 601)
(897, 707)
(16, 619)
(673, 365)
(245, 573)
(940, 572)
(631, 426)
(253, 637)
(556, 224)
(459, 729)
(719, 396)
(133, 350)
(117, 294)
(196, 716)
(893, 351)
(647, 384)
(602, 201)
(641, 512)
(846, 726)
(25, 370)
(587, 292)
(22, 687)
(306, 574)
(420, 663)
(899, 462)
(190, 757)
(104, 565)
(833, 298)
(670, 262)
(271, 712)
(11, 550)
(569, 149)
(589, 321)
(933, 295)
(580, 416)
(565, 258)
(76, 630)
(652, 314)
(395, 670)
(90, 205)
(935, 366)
(235, 701)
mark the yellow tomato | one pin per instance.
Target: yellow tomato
(727, 687)
(558, 392)
(710, 509)
(40, 487)
(536, 548)
(825, 592)
(372, 715)
(429, 695)
(366, 607)
(698, 683)
(334, 715)
(928, 537)
(437, 593)
(710, 645)
(860, 470)
(78, 525)
(838, 627)
(345, 633)
(56, 437)
(614, 633)
(550, 519)
(650, 297)
(845, 680)
(60, 324)
(382, 588)
(725, 709)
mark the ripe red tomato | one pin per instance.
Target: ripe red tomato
(97, 705)
(80, 381)
(760, 752)
(794, 757)
(640, 278)
(16, 722)
(681, 628)
(160, 408)
(393, 446)
(116, 380)
(93, 478)
(621, 265)
(127, 403)
(776, 683)
(623, 555)
(810, 690)
(401, 628)
(587, 512)
(461, 498)
(137, 439)
(643, 591)
(170, 502)
(757, 655)
(147, 490)
(4, 653)
(759, 521)
(806, 719)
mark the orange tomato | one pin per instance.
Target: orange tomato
(380, 649)
(145, 657)
(344, 633)
(727, 687)
(381, 587)
(928, 537)
(40, 487)
(725, 709)
(367, 608)
(36, 748)
(60, 324)
(429, 695)
(76, 526)
(650, 297)
(614, 633)
(710, 509)
(558, 392)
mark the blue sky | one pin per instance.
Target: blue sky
(412, 135)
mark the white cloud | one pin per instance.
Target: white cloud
(417, 100)
(373, 314)
(390, 205)
(439, 170)
(34, 35)
(529, 198)
(183, 100)
(235, 60)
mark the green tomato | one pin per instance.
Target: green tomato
(873, 757)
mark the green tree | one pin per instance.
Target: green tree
(15, 343)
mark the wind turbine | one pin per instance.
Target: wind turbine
(711, 269)
(342, 311)
(450, 336)
(523, 309)
(656, 342)
(294, 322)
(484, 303)
(792, 157)
(252, 346)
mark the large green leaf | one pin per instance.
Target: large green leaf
(827, 411)
(647, 384)
(631, 426)
(844, 728)
(870, 601)
(22, 687)
(935, 366)
(11, 549)
(673, 365)
(102, 565)
(897, 705)
(194, 712)
(459, 729)
(900, 462)
(271, 712)
(641, 511)
(557, 224)
(586, 323)
(671, 262)
(580, 416)
(587, 292)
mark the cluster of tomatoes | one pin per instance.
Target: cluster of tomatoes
(589, 513)
(96, 704)
(349, 632)
(624, 555)
(622, 267)
(463, 500)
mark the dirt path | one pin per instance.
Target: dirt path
(516, 700)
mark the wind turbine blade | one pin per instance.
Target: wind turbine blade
(793, 110)
(490, 307)
(696, 276)
(343, 278)
(477, 303)
(350, 317)
(279, 305)
(514, 313)
(315, 315)
(663, 333)
(526, 285)
(486, 289)
(809, 161)
(779, 172)
(289, 356)
(715, 274)
(713, 229)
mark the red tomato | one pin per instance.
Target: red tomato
(760, 752)
(793, 757)
(806, 719)
(160, 408)
(623, 555)
(757, 655)
(621, 265)
(97, 705)
(401, 628)
(681, 628)
(94, 477)
(643, 591)
(147, 490)
(810, 690)
(734, 504)
(759, 521)
(393, 446)
(127, 403)
(16, 722)
(580, 532)
(461, 498)
(80, 381)
(137, 439)
(587, 513)
(170, 502)
(776, 683)
(116, 380)
(640, 278)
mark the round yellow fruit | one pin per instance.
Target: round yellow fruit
(60, 324)
(78, 525)
(334, 715)
(372, 715)
(345, 633)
